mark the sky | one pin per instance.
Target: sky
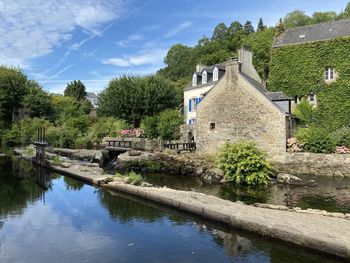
(58, 41)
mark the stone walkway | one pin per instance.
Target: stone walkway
(323, 233)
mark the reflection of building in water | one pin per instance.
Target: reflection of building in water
(234, 245)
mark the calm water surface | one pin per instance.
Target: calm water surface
(50, 218)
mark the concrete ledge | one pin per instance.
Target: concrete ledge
(314, 231)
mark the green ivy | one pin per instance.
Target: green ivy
(299, 70)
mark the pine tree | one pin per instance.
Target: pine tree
(261, 26)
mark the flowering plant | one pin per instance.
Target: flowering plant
(342, 150)
(129, 133)
(293, 145)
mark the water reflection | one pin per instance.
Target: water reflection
(78, 223)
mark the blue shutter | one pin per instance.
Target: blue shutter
(189, 121)
(199, 99)
(189, 105)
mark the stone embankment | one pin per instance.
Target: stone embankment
(182, 164)
(307, 229)
(337, 165)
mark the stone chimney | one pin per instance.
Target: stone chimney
(200, 67)
(232, 68)
(245, 58)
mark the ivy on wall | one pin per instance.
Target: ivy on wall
(299, 70)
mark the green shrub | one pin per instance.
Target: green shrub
(84, 142)
(12, 137)
(243, 163)
(149, 125)
(134, 178)
(67, 137)
(132, 165)
(53, 136)
(316, 140)
(151, 165)
(169, 124)
(305, 112)
(342, 136)
(104, 127)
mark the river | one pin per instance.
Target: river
(46, 217)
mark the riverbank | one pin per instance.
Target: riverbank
(317, 230)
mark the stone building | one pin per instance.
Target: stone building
(228, 103)
(311, 37)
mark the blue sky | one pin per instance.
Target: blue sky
(56, 42)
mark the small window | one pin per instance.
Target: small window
(329, 73)
(194, 80)
(204, 77)
(311, 97)
(215, 74)
(212, 126)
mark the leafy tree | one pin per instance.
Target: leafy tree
(345, 13)
(179, 62)
(132, 98)
(261, 26)
(169, 124)
(248, 28)
(37, 101)
(65, 107)
(76, 89)
(235, 28)
(296, 18)
(149, 125)
(280, 28)
(319, 17)
(220, 32)
(13, 88)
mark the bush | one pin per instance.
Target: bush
(169, 124)
(84, 142)
(67, 137)
(316, 140)
(12, 137)
(134, 178)
(104, 127)
(149, 125)
(305, 112)
(243, 163)
(342, 137)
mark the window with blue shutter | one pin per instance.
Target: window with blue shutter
(189, 121)
(189, 105)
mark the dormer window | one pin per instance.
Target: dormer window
(194, 80)
(204, 77)
(215, 74)
(329, 74)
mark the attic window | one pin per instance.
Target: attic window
(194, 80)
(212, 126)
(204, 77)
(329, 73)
(215, 74)
(302, 36)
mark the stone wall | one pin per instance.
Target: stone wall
(239, 112)
(337, 165)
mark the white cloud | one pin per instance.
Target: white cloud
(32, 28)
(146, 58)
(130, 39)
(179, 28)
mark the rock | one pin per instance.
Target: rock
(338, 174)
(65, 165)
(2, 155)
(311, 183)
(199, 171)
(134, 153)
(223, 181)
(289, 179)
(144, 169)
(145, 184)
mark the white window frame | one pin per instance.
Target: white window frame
(215, 74)
(329, 74)
(204, 77)
(194, 79)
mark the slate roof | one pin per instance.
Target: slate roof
(273, 96)
(313, 33)
(91, 95)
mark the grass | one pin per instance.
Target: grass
(131, 178)
(57, 160)
(29, 151)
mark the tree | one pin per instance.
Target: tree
(132, 98)
(65, 107)
(345, 13)
(220, 32)
(235, 28)
(179, 62)
(296, 18)
(261, 26)
(13, 88)
(169, 124)
(319, 17)
(37, 101)
(76, 89)
(280, 28)
(248, 28)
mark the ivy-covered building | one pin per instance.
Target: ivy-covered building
(314, 62)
